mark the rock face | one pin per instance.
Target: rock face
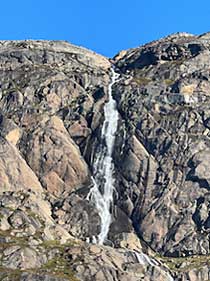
(52, 96)
(165, 104)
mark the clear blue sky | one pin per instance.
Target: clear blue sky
(105, 26)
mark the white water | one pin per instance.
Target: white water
(102, 192)
(103, 181)
(146, 260)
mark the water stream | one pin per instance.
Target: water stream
(102, 192)
(103, 180)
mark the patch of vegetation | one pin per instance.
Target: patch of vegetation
(55, 267)
(55, 244)
(35, 216)
(184, 264)
(13, 240)
(13, 274)
(59, 267)
(51, 244)
(169, 82)
(178, 62)
(143, 71)
(142, 81)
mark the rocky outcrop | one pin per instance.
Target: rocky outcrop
(52, 96)
(15, 174)
(105, 263)
(63, 168)
(168, 178)
(163, 100)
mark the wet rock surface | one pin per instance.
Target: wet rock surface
(52, 96)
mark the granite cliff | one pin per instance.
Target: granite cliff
(52, 97)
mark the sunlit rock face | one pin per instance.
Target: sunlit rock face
(164, 105)
(56, 125)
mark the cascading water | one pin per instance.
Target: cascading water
(146, 260)
(102, 192)
(103, 181)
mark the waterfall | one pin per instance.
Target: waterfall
(102, 192)
(146, 260)
(103, 181)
